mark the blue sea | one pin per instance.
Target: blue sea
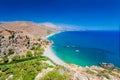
(87, 48)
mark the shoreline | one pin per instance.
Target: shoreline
(49, 53)
(53, 34)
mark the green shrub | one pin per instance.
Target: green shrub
(38, 51)
(29, 54)
(5, 59)
(39, 39)
(33, 48)
(23, 70)
(16, 58)
(22, 57)
(55, 75)
(10, 52)
(44, 58)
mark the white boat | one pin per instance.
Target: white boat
(77, 51)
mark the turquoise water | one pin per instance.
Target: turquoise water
(86, 48)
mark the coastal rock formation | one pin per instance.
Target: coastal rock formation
(92, 73)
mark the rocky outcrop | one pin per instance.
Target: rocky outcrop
(92, 73)
(107, 65)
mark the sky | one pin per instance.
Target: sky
(88, 14)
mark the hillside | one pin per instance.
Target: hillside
(19, 37)
(29, 28)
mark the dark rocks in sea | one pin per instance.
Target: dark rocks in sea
(107, 65)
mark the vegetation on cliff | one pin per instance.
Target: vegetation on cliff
(24, 70)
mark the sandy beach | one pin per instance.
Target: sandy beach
(53, 34)
(49, 53)
(50, 35)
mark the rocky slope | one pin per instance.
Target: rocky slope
(19, 37)
(92, 73)
(75, 72)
